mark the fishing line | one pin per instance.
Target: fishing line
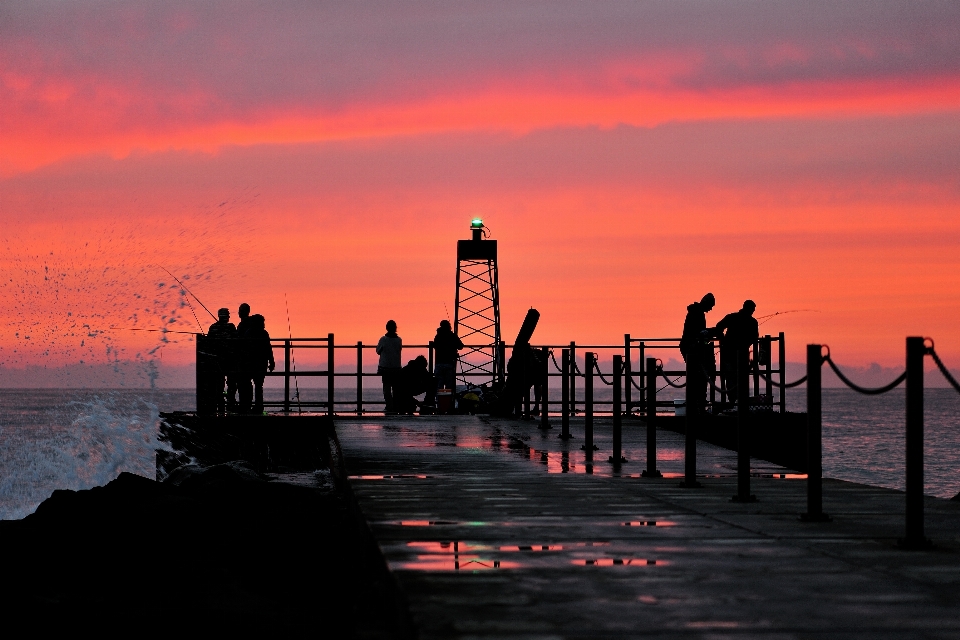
(189, 333)
(293, 355)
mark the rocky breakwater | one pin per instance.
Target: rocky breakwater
(218, 549)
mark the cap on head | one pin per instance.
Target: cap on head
(445, 324)
(224, 313)
(708, 300)
(244, 310)
(750, 305)
(391, 326)
(422, 361)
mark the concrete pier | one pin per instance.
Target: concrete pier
(497, 529)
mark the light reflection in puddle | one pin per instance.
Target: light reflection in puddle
(618, 562)
(540, 547)
(452, 556)
(393, 477)
(435, 523)
(649, 523)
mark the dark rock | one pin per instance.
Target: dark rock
(195, 475)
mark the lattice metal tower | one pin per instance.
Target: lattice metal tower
(477, 316)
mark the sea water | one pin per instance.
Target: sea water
(76, 439)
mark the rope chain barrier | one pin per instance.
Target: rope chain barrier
(555, 362)
(669, 383)
(942, 367)
(788, 385)
(858, 388)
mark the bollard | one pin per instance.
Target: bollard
(814, 428)
(914, 529)
(588, 405)
(617, 456)
(651, 471)
(565, 394)
(360, 376)
(545, 391)
(694, 393)
(743, 429)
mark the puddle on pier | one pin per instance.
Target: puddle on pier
(459, 555)
(619, 562)
(650, 523)
(393, 477)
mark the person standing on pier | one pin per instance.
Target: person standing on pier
(260, 358)
(242, 379)
(696, 345)
(446, 344)
(741, 330)
(388, 348)
(223, 333)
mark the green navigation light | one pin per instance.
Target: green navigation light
(476, 223)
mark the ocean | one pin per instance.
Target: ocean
(76, 439)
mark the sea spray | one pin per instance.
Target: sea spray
(85, 443)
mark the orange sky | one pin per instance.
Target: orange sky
(628, 157)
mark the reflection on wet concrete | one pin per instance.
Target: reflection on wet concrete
(618, 562)
(452, 556)
(393, 477)
(650, 523)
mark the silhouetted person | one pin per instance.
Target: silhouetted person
(388, 348)
(414, 379)
(446, 344)
(696, 345)
(223, 335)
(259, 358)
(741, 330)
(243, 382)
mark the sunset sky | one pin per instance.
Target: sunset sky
(628, 156)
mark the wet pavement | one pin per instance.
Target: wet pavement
(497, 529)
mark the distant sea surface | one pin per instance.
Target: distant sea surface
(76, 439)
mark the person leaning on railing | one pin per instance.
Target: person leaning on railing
(388, 348)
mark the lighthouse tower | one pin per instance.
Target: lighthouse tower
(477, 316)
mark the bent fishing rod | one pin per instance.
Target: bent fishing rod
(184, 287)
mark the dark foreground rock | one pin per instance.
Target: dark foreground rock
(218, 550)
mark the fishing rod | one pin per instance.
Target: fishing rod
(771, 316)
(191, 333)
(184, 287)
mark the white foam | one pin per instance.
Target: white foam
(85, 444)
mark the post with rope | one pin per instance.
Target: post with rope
(286, 376)
(588, 363)
(814, 379)
(782, 363)
(692, 402)
(330, 377)
(573, 378)
(627, 374)
(651, 471)
(545, 391)
(360, 377)
(617, 456)
(743, 428)
(565, 394)
(914, 530)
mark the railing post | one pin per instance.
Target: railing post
(627, 374)
(330, 370)
(694, 392)
(573, 378)
(360, 378)
(617, 456)
(642, 354)
(430, 357)
(588, 405)
(768, 363)
(545, 390)
(651, 471)
(743, 428)
(914, 530)
(783, 374)
(814, 425)
(565, 394)
(286, 376)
